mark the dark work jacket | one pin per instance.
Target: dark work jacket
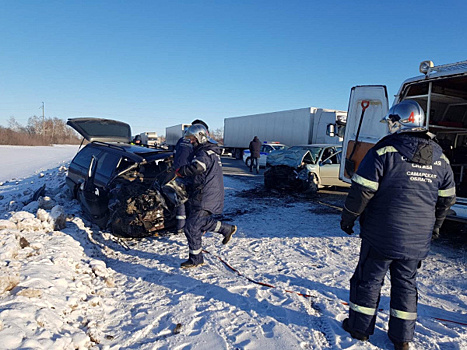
(205, 170)
(403, 188)
(255, 147)
(183, 152)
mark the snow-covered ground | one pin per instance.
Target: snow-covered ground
(66, 285)
(23, 161)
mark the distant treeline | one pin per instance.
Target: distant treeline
(39, 132)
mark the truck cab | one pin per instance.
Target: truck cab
(442, 92)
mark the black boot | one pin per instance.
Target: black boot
(403, 345)
(354, 334)
(229, 234)
(194, 260)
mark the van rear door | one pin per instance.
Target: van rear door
(367, 106)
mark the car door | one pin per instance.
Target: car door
(265, 150)
(367, 106)
(329, 166)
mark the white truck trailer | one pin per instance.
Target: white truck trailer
(292, 127)
(442, 92)
(149, 138)
(173, 134)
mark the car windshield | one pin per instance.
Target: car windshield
(315, 151)
(277, 147)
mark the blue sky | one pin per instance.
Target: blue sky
(155, 63)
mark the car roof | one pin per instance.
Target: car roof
(273, 144)
(99, 129)
(137, 153)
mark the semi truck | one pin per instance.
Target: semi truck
(173, 134)
(291, 127)
(148, 138)
(442, 93)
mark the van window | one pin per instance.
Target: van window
(83, 158)
(107, 164)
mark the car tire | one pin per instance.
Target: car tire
(312, 186)
(248, 162)
(315, 179)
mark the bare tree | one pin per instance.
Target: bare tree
(38, 132)
(218, 135)
(13, 124)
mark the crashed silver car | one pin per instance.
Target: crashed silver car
(304, 168)
(119, 185)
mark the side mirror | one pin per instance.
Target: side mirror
(331, 130)
(341, 131)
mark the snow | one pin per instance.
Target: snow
(32, 159)
(66, 285)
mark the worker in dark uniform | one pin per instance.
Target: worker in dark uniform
(402, 192)
(206, 196)
(183, 154)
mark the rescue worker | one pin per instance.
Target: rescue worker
(137, 140)
(206, 195)
(402, 192)
(255, 153)
(183, 154)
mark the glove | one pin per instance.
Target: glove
(347, 221)
(435, 234)
(347, 227)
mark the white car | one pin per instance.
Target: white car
(266, 148)
(296, 165)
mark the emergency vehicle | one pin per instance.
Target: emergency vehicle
(266, 148)
(442, 92)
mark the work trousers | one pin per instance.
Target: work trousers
(198, 222)
(181, 216)
(365, 288)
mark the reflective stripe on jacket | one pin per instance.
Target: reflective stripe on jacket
(406, 175)
(205, 170)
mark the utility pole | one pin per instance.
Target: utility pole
(43, 118)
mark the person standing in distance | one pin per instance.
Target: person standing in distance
(402, 192)
(206, 196)
(183, 154)
(255, 153)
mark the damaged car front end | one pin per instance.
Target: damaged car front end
(118, 185)
(288, 170)
(304, 169)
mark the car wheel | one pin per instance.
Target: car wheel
(248, 162)
(311, 187)
(315, 179)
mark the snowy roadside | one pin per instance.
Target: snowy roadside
(78, 288)
(24, 161)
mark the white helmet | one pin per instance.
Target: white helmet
(405, 116)
(200, 133)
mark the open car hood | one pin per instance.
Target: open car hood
(291, 158)
(104, 130)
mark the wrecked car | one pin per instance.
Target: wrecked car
(118, 185)
(304, 168)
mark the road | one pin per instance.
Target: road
(236, 167)
(332, 198)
